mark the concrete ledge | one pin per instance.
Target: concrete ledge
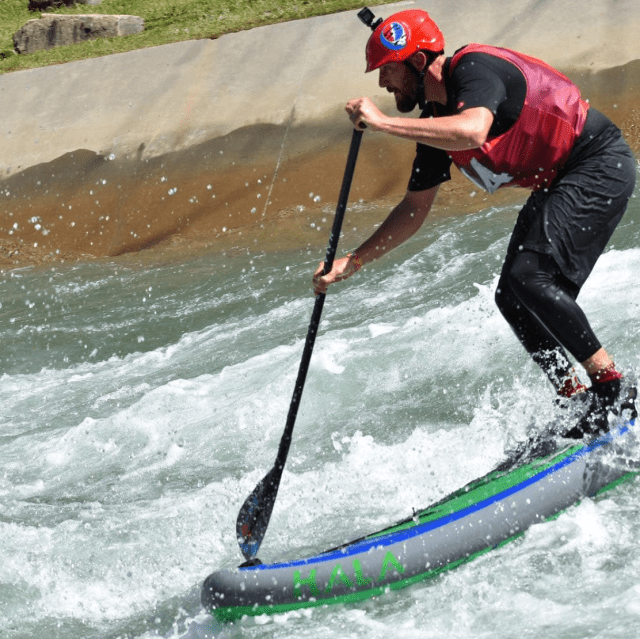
(173, 97)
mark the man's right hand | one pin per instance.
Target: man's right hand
(363, 112)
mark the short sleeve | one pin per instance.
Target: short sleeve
(431, 167)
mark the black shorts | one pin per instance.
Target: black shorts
(575, 217)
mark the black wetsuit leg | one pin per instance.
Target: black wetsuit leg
(539, 303)
(542, 346)
(559, 235)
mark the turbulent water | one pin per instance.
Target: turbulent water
(141, 405)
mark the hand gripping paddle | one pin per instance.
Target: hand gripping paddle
(255, 513)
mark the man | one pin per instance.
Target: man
(505, 119)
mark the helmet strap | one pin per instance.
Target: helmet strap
(431, 57)
(420, 78)
(421, 98)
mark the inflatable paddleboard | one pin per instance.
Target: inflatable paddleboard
(483, 515)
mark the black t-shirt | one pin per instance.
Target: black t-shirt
(483, 80)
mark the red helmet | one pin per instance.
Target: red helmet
(400, 36)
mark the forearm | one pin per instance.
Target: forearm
(460, 132)
(451, 133)
(403, 222)
(400, 225)
(389, 235)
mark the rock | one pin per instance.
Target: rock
(43, 5)
(53, 30)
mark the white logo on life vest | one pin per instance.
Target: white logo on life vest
(483, 177)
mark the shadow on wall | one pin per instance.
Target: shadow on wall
(86, 204)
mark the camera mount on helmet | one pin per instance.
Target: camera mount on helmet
(367, 18)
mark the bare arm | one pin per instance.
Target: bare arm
(461, 132)
(403, 221)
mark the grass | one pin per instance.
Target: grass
(166, 21)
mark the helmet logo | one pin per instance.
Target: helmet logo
(394, 36)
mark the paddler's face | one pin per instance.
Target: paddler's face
(396, 78)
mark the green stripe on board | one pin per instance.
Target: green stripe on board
(479, 490)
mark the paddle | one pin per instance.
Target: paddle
(255, 513)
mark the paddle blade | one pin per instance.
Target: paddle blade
(255, 513)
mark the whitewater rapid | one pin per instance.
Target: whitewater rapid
(140, 405)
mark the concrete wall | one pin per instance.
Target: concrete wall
(256, 102)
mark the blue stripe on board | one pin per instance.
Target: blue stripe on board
(409, 533)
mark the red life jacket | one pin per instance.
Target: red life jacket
(536, 146)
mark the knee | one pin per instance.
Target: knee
(527, 281)
(514, 281)
(506, 300)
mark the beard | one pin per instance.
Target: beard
(406, 103)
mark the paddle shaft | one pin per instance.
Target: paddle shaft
(255, 513)
(285, 442)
